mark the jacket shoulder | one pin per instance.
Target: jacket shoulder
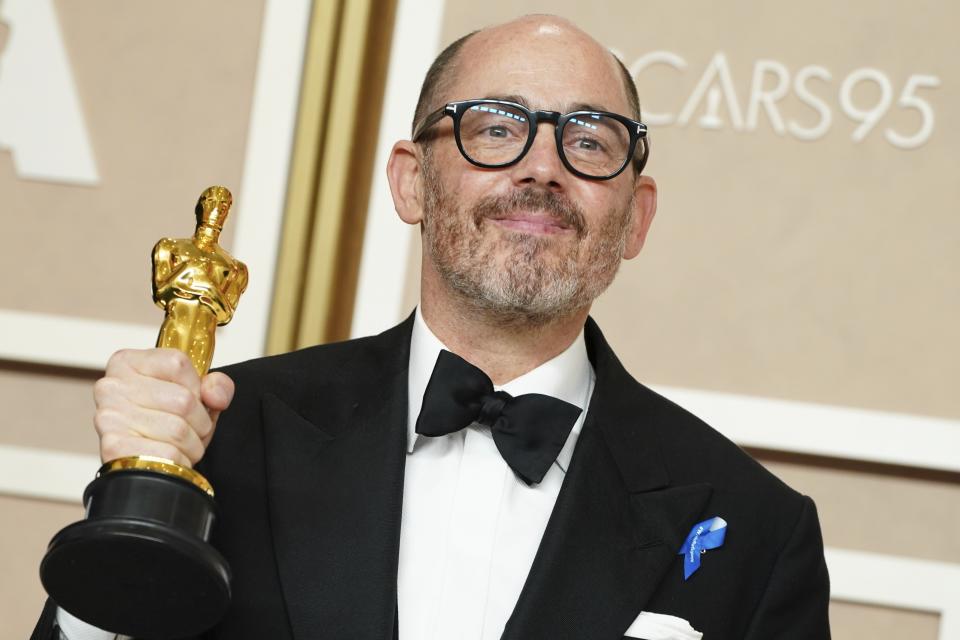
(326, 364)
(320, 383)
(695, 450)
(658, 431)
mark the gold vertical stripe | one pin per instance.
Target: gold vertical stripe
(342, 119)
(315, 89)
(334, 147)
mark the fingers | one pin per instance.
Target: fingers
(155, 401)
(152, 402)
(127, 425)
(163, 364)
(118, 443)
(216, 391)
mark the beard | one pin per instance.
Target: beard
(516, 277)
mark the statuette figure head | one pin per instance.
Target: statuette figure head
(213, 207)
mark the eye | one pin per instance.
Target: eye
(492, 123)
(588, 144)
(585, 144)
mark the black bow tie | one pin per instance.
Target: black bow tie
(529, 430)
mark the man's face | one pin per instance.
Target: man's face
(527, 254)
(532, 241)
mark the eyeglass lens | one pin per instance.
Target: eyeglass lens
(496, 134)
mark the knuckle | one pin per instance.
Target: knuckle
(111, 446)
(208, 425)
(105, 420)
(170, 452)
(206, 434)
(194, 455)
(179, 431)
(99, 424)
(118, 359)
(177, 361)
(101, 389)
(182, 402)
(104, 388)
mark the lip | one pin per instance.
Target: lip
(535, 223)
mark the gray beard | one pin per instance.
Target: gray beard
(533, 285)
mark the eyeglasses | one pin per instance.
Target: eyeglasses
(495, 133)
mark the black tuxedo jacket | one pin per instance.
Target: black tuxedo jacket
(308, 465)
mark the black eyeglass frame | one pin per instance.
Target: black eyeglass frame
(455, 110)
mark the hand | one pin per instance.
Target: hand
(152, 402)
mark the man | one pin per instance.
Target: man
(347, 512)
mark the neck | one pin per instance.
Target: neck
(206, 235)
(502, 348)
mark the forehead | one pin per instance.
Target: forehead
(552, 66)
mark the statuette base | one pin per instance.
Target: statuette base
(140, 563)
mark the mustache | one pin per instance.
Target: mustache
(558, 206)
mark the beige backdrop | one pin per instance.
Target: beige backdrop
(165, 90)
(821, 270)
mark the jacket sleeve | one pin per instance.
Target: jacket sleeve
(46, 628)
(795, 603)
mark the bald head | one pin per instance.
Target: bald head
(528, 33)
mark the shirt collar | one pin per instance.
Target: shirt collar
(568, 376)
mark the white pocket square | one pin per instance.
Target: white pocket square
(659, 626)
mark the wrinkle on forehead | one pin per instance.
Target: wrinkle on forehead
(563, 107)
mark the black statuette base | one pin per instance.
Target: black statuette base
(140, 563)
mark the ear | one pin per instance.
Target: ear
(644, 209)
(403, 174)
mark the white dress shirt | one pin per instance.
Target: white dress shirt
(470, 528)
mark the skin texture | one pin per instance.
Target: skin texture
(152, 402)
(526, 228)
(513, 257)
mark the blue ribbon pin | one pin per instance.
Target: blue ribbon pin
(708, 534)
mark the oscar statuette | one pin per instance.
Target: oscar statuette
(140, 563)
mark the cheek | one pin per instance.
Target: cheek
(468, 184)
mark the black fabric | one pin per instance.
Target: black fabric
(308, 468)
(47, 628)
(529, 430)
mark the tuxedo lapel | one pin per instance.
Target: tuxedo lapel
(335, 488)
(617, 524)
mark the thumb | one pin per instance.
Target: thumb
(216, 391)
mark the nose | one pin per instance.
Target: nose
(541, 166)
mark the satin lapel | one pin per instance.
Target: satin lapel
(617, 524)
(335, 506)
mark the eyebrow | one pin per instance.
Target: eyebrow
(577, 106)
(584, 106)
(512, 98)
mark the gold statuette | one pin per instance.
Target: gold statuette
(140, 563)
(197, 282)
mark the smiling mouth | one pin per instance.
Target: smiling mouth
(540, 224)
(531, 212)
